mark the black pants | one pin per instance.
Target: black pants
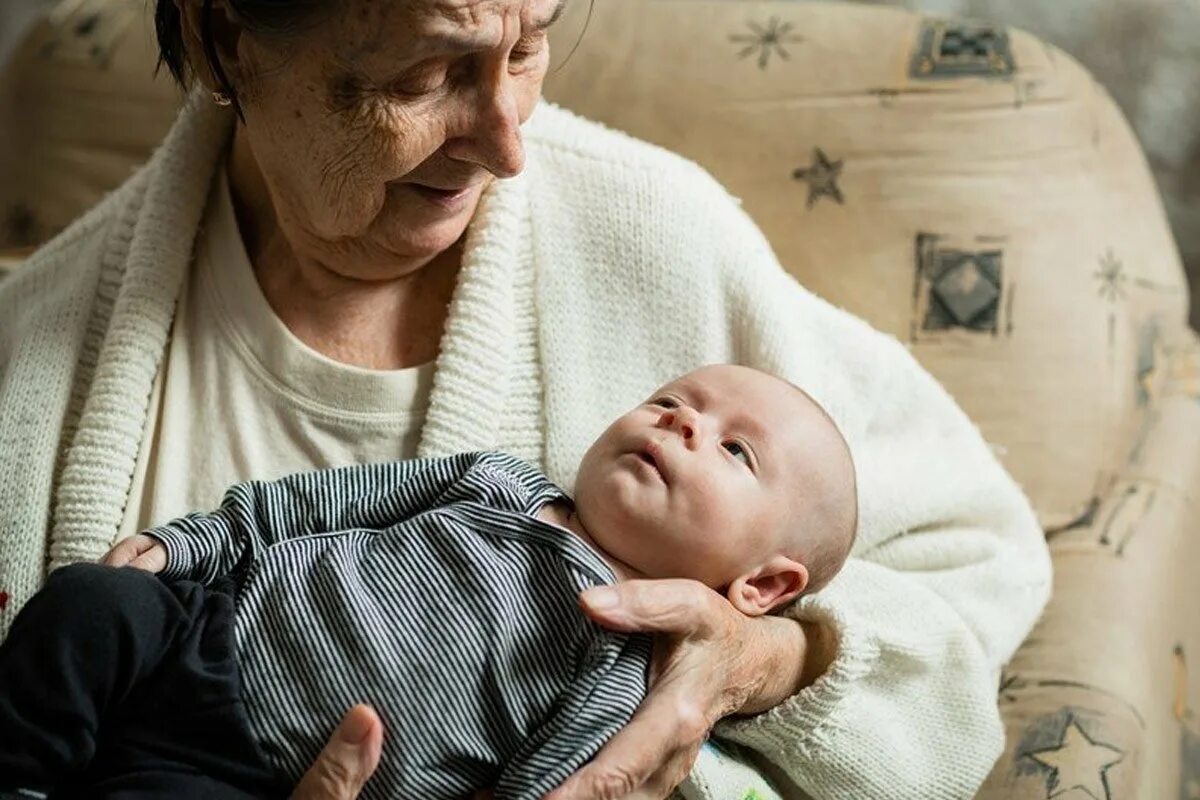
(114, 684)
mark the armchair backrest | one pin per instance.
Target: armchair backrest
(966, 188)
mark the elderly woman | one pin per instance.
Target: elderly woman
(365, 239)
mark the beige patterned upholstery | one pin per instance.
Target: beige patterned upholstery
(78, 110)
(973, 192)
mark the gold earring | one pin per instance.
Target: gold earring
(221, 99)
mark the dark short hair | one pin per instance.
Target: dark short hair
(279, 18)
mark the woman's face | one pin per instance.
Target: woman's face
(376, 131)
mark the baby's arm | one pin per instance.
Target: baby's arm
(200, 547)
(256, 514)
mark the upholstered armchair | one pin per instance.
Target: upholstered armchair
(966, 188)
(972, 191)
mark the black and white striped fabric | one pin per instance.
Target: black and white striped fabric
(429, 590)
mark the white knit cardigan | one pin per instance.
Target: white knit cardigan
(606, 268)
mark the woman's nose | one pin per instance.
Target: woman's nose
(683, 421)
(492, 137)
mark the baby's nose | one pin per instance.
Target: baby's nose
(683, 421)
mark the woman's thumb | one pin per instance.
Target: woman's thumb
(348, 759)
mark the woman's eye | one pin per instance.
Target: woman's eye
(527, 47)
(664, 402)
(423, 84)
(346, 92)
(423, 78)
(737, 451)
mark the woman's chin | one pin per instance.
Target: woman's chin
(417, 236)
(417, 242)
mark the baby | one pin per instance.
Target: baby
(442, 591)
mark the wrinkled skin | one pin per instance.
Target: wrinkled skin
(346, 120)
(350, 127)
(344, 125)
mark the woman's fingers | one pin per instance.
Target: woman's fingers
(670, 774)
(347, 761)
(699, 673)
(676, 606)
(649, 757)
(593, 783)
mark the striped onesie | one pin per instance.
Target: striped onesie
(429, 590)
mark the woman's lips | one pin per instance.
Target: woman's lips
(446, 198)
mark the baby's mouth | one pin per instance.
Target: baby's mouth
(652, 454)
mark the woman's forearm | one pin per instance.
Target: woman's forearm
(795, 654)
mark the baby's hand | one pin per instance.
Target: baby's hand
(141, 551)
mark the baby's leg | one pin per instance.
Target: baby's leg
(77, 649)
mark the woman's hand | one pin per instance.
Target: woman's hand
(141, 551)
(347, 760)
(709, 661)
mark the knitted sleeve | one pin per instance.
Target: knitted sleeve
(256, 514)
(950, 569)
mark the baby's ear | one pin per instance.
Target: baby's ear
(774, 583)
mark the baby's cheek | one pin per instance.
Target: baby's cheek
(617, 501)
(713, 505)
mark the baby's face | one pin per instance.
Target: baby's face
(698, 480)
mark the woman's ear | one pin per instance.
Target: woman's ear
(774, 583)
(223, 31)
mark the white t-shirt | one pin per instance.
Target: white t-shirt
(239, 397)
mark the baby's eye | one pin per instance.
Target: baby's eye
(665, 402)
(737, 451)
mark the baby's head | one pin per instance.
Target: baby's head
(729, 476)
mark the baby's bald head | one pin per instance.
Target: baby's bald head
(729, 476)
(821, 525)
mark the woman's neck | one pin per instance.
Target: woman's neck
(376, 324)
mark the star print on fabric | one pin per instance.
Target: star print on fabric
(1111, 277)
(1009, 685)
(765, 41)
(822, 178)
(1077, 762)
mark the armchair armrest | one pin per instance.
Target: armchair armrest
(1104, 692)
